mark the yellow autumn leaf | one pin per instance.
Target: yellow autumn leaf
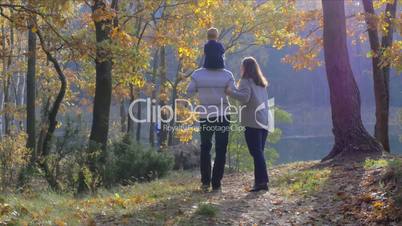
(378, 204)
(59, 222)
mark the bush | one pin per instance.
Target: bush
(133, 162)
(207, 209)
(13, 158)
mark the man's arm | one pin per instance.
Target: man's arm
(192, 87)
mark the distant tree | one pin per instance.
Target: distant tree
(380, 71)
(351, 138)
(51, 122)
(31, 89)
(7, 43)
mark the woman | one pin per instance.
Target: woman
(252, 93)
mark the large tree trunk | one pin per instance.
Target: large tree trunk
(31, 92)
(380, 74)
(351, 138)
(103, 95)
(103, 90)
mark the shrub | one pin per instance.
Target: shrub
(133, 162)
(68, 153)
(13, 157)
(207, 209)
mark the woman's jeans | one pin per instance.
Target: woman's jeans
(256, 139)
(220, 128)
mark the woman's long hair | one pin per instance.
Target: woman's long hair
(251, 70)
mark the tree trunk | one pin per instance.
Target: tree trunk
(123, 117)
(31, 92)
(103, 95)
(164, 132)
(380, 74)
(351, 138)
(386, 43)
(130, 122)
(6, 82)
(153, 96)
(172, 140)
(103, 90)
(52, 116)
(139, 124)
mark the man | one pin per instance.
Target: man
(210, 85)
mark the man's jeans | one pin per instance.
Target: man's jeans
(256, 139)
(220, 127)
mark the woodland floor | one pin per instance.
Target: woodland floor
(301, 194)
(304, 193)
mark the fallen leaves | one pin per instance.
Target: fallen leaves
(277, 202)
(343, 195)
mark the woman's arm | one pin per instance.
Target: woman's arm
(242, 93)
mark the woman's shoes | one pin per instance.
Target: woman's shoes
(260, 187)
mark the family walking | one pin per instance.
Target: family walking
(214, 83)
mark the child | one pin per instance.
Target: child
(213, 51)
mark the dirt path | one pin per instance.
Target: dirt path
(300, 194)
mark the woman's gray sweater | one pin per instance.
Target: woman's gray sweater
(254, 101)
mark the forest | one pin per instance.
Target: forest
(95, 127)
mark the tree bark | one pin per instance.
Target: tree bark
(130, 122)
(351, 138)
(153, 96)
(52, 121)
(103, 95)
(31, 92)
(139, 124)
(52, 116)
(380, 74)
(123, 117)
(172, 139)
(6, 80)
(163, 77)
(103, 90)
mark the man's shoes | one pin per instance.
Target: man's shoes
(216, 189)
(260, 187)
(204, 187)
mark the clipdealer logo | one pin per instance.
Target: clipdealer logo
(165, 114)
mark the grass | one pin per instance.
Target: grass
(207, 210)
(165, 200)
(306, 181)
(374, 163)
(50, 208)
(393, 165)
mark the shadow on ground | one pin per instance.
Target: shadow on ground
(301, 194)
